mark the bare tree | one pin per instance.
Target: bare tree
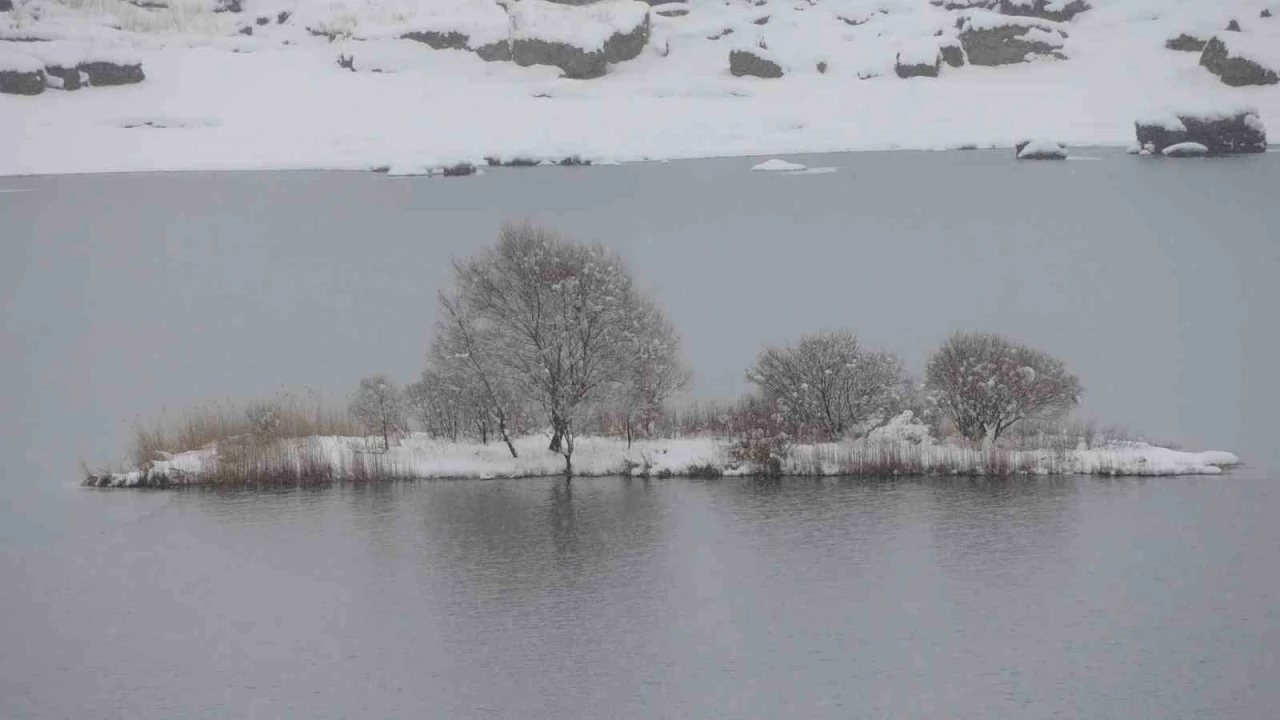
(984, 383)
(826, 384)
(462, 349)
(657, 374)
(561, 321)
(439, 405)
(379, 407)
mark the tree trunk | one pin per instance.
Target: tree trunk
(628, 431)
(557, 433)
(502, 431)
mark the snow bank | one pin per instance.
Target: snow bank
(278, 100)
(902, 447)
(1041, 150)
(20, 62)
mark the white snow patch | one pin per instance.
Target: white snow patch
(778, 165)
(1185, 149)
(20, 62)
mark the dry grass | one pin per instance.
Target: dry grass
(284, 416)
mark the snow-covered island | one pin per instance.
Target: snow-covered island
(901, 448)
(547, 358)
(418, 85)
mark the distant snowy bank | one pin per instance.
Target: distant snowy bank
(894, 450)
(423, 86)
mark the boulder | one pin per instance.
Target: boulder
(1039, 150)
(499, 51)
(1055, 10)
(754, 64)
(6, 5)
(20, 73)
(1185, 149)
(952, 52)
(990, 39)
(1236, 63)
(918, 60)
(573, 61)
(69, 78)
(1185, 42)
(106, 72)
(1221, 133)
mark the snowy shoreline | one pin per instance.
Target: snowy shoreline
(326, 460)
(277, 99)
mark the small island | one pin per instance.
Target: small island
(548, 358)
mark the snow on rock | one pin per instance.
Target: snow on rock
(581, 40)
(993, 39)
(922, 58)
(1242, 59)
(1040, 150)
(778, 165)
(903, 446)
(1224, 131)
(1185, 149)
(1056, 10)
(20, 73)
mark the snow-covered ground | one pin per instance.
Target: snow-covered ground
(421, 457)
(214, 98)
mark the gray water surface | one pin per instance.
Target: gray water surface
(624, 598)
(1154, 280)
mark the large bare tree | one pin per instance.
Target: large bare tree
(827, 384)
(562, 324)
(984, 383)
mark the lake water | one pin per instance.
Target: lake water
(1154, 280)
(733, 598)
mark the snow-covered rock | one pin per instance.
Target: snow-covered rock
(1185, 149)
(1056, 10)
(580, 40)
(993, 39)
(922, 58)
(754, 63)
(1239, 59)
(952, 52)
(1222, 132)
(1040, 150)
(778, 165)
(20, 73)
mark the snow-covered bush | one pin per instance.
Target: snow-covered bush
(984, 383)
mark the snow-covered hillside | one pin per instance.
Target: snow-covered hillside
(357, 84)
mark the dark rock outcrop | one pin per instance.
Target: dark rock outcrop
(101, 72)
(1186, 43)
(1233, 26)
(952, 53)
(748, 63)
(573, 61)
(6, 5)
(499, 51)
(71, 78)
(1222, 134)
(451, 40)
(1055, 10)
(627, 46)
(916, 69)
(15, 82)
(1009, 44)
(1234, 70)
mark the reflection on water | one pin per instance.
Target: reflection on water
(624, 597)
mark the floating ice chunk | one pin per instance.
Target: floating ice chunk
(777, 165)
